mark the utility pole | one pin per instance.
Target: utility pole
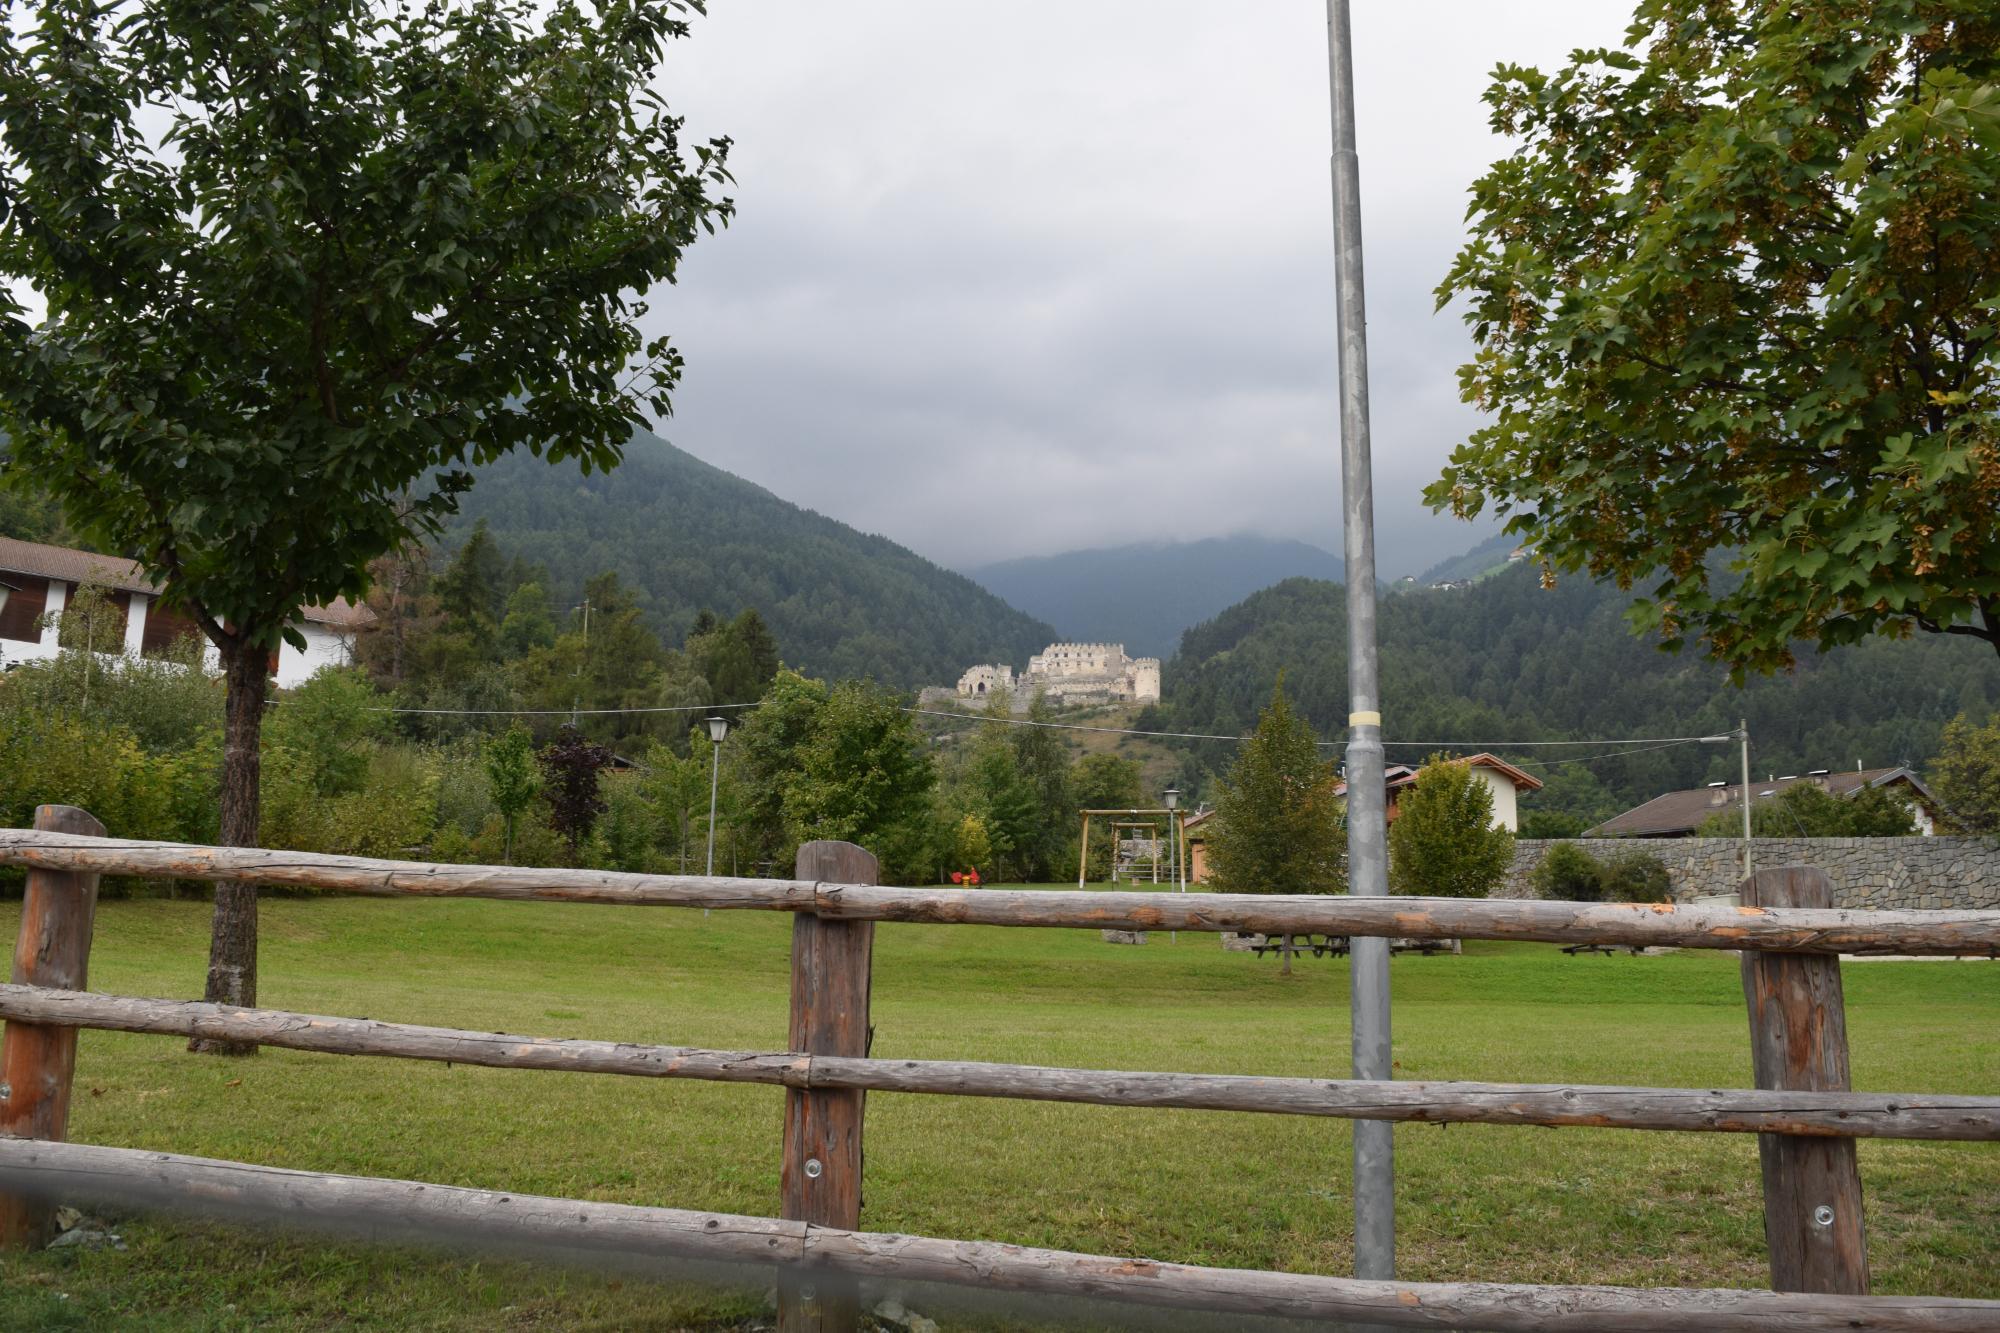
(576, 692)
(1743, 735)
(1367, 819)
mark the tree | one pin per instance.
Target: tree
(1733, 298)
(512, 780)
(572, 770)
(863, 775)
(1278, 824)
(1444, 843)
(1966, 775)
(1042, 760)
(304, 261)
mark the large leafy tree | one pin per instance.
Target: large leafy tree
(1735, 297)
(1444, 842)
(304, 262)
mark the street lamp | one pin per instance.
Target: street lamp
(1173, 798)
(718, 727)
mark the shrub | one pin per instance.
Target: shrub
(1634, 877)
(1569, 873)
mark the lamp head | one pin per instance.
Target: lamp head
(1173, 795)
(718, 727)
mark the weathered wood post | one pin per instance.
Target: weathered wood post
(1798, 1043)
(37, 1062)
(821, 1173)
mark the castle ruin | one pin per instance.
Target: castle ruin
(1072, 673)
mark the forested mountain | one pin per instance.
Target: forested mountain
(1485, 558)
(1145, 594)
(683, 536)
(1509, 660)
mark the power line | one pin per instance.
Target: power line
(557, 712)
(1592, 758)
(1642, 744)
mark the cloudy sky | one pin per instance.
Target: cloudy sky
(1058, 273)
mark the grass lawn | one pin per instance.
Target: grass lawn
(1474, 1202)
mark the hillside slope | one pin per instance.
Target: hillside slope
(1145, 594)
(1509, 660)
(687, 536)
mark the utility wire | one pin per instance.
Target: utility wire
(1641, 744)
(557, 712)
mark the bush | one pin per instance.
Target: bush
(1635, 877)
(1569, 873)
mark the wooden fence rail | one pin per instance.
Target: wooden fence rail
(1880, 1115)
(1788, 933)
(127, 1177)
(1800, 930)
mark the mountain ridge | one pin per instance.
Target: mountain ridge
(686, 535)
(1145, 594)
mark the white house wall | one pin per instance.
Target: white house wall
(1506, 812)
(324, 647)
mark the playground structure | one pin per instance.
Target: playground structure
(1130, 853)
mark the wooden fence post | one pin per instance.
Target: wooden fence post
(37, 1062)
(821, 1172)
(1798, 1043)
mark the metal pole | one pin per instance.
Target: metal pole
(1743, 733)
(1367, 821)
(714, 780)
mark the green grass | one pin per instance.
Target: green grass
(1474, 1202)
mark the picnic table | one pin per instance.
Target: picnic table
(1316, 945)
(1573, 949)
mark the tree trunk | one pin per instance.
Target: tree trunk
(232, 950)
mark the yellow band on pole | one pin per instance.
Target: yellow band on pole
(1367, 719)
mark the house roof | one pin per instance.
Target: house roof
(109, 571)
(1679, 812)
(1398, 776)
(72, 566)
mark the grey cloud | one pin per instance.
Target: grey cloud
(1059, 275)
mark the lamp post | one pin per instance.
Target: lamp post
(1173, 799)
(718, 727)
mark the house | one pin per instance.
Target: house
(37, 580)
(1504, 780)
(1679, 813)
(1194, 829)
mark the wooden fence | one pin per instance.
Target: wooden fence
(1802, 1108)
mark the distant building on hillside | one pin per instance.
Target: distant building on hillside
(1071, 673)
(1678, 814)
(36, 581)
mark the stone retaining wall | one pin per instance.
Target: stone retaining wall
(1867, 872)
